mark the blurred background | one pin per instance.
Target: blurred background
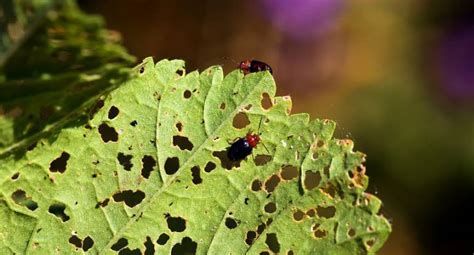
(397, 76)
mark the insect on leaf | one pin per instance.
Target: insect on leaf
(149, 173)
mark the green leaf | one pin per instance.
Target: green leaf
(64, 64)
(149, 172)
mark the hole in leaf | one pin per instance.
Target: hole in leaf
(120, 244)
(319, 233)
(175, 224)
(351, 232)
(326, 171)
(320, 143)
(329, 189)
(96, 108)
(148, 164)
(251, 235)
(222, 106)
(180, 72)
(60, 163)
(179, 126)
(187, 246)
(264, 253)
(113, 112)
(15, 176)
(127, 251)
(171, 165)
(182, 142)
(225, 161)
(261, 160)
(370, 243)
(326, 212)
(76, 241)
(311, 180)
(163, 239)
(142, 70)
(240, 120)
(266, 101)
(125, 161)
(230, 223)
(134, 123)
(272, 242)
(130, 198)
(58, 210)
(187, 94)
(21, 198)
(290, 252)
(102, 203)
(149, 246)
(88, 243)
(209, 167)
(272, 183)
(107, 133)
(298, 215)
(246, 201)
(260, 228)
(270, 207)
(256, 185)
(196, 173)
(31, 146)
(289, 172)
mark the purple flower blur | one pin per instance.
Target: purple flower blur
(303, 18)
(456, 62)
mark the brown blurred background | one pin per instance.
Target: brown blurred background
(397, 76)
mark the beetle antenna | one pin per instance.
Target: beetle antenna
(265, 148)
(259, 125)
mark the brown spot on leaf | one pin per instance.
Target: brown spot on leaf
(240, 120)
(270, 207)
(256, 185)
(298, 215)
(311, 180)
(187, 94)
(272, 183)
(266, 101)
(261, 160)
(326, 212)
(289, 172)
